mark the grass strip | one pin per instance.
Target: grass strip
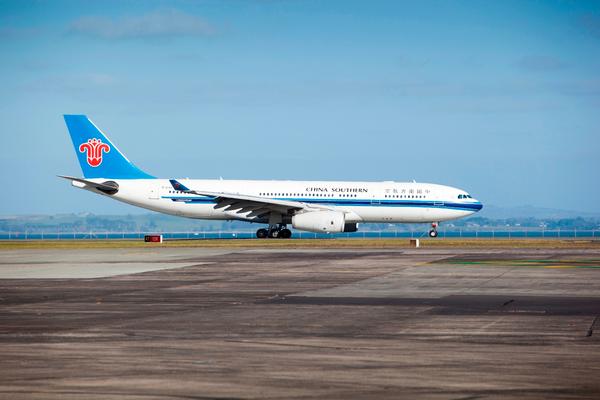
(371, 243)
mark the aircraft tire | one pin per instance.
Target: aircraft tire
(285, 233)
(262, 233)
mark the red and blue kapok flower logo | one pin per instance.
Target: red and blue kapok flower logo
(94, 148)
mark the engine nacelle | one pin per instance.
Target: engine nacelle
(319, 221)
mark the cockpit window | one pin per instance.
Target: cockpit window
(460, 196)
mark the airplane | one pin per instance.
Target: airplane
(313, 206)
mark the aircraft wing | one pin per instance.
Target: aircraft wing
(241, 203)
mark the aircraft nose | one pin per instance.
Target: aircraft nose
(477, 205)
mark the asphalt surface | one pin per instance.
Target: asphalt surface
(183, 323)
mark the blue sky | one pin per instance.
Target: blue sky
(499, 98)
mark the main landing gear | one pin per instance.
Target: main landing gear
(433, 232)
(275, 231)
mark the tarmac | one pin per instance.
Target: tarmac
(218, 323)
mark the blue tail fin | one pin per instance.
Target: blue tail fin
(98, 157)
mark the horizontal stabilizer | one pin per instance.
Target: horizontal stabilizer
(108, 187)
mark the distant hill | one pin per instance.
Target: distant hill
(490, 216)
(85, 222)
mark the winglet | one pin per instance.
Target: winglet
(178, 185)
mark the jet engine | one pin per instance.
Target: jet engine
(320, 221)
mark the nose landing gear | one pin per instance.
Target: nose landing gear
(274, 231)
(433, 232)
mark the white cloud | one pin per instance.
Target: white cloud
(158, 24)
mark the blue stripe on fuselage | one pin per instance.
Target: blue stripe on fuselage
(191, 199)
(352, 202)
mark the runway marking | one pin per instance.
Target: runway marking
(552, 264)
(490, 324)
(591, 330)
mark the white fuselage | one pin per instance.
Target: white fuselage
(360, 201)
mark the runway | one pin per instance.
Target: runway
(199, 323)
